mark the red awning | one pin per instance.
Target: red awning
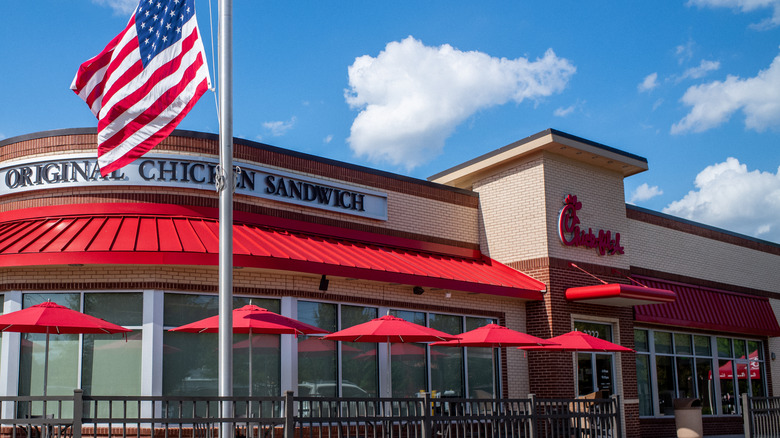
(619, 295)
(164, 234)
(710, 309)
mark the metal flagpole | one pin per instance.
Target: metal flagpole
(226, 211)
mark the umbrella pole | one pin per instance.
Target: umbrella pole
(250, 364)
(389, 371)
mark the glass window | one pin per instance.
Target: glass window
(706, 390)
(724, 348)
(728, 395)
(640, 340)
(690, 371)
(190, 365)
(265, 361)
(481, 364)
(740, 348)
(317, 359)
(663, 342)
(682, 344)
(664, 369)
(702, 345)
(447, 362)
(408, 362)
(63, 352)
(643, 384)
(757, 379)
(112, 365)
(359, 364)
(685, 384)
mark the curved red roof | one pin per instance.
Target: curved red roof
(165, 234)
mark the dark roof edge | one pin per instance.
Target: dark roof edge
(253, 144)
(50, 133)
(531, 138)
(701, 225)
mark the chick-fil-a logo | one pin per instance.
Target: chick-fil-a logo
(571, 235)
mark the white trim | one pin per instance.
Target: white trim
(9, 369)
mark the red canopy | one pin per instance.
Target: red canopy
(253, 319)
(389, 329)
(580, 341)
(494, 336)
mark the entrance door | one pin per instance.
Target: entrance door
(595, 371)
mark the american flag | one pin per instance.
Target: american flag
(145, 81)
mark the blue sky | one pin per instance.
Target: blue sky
(417, 87)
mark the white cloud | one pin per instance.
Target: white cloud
(650, 82)
(328, 139)
(563, 112)
(746, 6)
(728, 196)
(684, 52)
(644, 192)
(713, 103)
(279, 128)
(700, 71)
(120, 7)
(411, 96)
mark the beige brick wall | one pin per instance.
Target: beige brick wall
(666, 250)
(774, 347)
(407, 213)
(603, 207)
(519, 208)
(511, 210)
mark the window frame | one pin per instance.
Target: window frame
(714, 358)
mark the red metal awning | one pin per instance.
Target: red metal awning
(164, 234)
(619, 295)
(710, 309)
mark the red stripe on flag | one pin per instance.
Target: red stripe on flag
(157, 137)
(155, 80)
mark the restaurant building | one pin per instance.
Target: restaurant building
(535, 235)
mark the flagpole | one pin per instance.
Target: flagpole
(225, 55)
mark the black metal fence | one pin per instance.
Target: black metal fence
(761, 416)
(307, 417)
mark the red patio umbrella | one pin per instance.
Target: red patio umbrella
(494, 336)
(389, 329)
(579, 341)
(51, 318)
(253, 319)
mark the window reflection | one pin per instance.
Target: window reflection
(317, 359)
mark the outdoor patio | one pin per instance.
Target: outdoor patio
(300, 417)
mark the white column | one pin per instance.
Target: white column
(289, 349)
(9, 355)
(152, 346)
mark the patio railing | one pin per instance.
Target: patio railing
(302, 417)
(761, 416)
